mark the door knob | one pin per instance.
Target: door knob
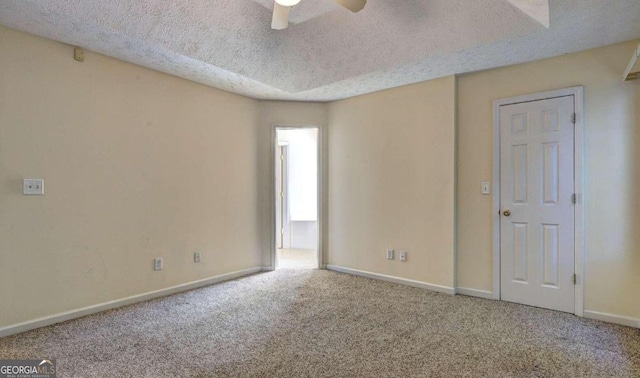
(506, 213)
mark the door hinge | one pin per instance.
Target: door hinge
(575, 279)
(282, 231)
(282, 157)
(574, 198)
(281, 194)
(573, 118)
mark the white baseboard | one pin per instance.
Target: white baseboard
(398, 280)
(475, 293)
(68, 315)
(268, 268)
(610, 318)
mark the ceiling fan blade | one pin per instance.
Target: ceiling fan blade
(280, 18)
(352, 5)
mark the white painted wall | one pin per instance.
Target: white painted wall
(304, 235)
(303, 172)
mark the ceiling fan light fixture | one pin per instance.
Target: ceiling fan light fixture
(288, 3)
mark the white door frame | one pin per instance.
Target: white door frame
(285, 219)
(579, 250)
(272, 190)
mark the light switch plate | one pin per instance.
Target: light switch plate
(486, 188)
(33, 187)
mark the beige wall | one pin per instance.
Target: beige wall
(278, 113)
(137, 164)
(612, 173)
(391, 181)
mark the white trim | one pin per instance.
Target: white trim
(272, 190)
(397, 280)
(578, 187)
(579, 247)
(495, 208)
(454, 259)
(273, 241)
(286, 213)
(474, 293)
(320, 196)
(610, 318)
(73, 314)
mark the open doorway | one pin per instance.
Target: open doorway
(296, 198)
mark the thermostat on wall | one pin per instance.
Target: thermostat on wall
(33, 187)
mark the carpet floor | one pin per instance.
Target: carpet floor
(316, 323)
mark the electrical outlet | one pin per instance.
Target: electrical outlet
(158, 263)
(196, 257)
(403, 255)
(389, 254)
(78, 54)
(33, 187)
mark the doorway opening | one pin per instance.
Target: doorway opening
(297, 221)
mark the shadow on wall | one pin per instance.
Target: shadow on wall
(618, 248)
(634, 195)
(631, 169)
(622, 245)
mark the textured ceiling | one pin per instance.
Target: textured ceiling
(327, 52)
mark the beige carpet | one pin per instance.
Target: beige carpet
(311, 323)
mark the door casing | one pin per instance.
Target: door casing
(578, 178)
(282, 204)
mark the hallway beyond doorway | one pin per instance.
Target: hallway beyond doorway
(297, 258)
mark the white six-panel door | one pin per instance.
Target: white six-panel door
(537, 211)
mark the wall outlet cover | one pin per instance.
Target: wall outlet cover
(158, 263)
(33, 187)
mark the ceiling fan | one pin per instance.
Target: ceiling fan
(282, 8)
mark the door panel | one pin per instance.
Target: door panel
(520, 252)
(520, 157)
(551, 254)
(537, 219)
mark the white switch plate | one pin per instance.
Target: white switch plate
(486, 188)
(403, 255)
(389, 254)
(33, 187)
(158, 263)
(196, 257)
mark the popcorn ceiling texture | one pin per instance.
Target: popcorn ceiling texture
(317, 323)
(330, 53)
